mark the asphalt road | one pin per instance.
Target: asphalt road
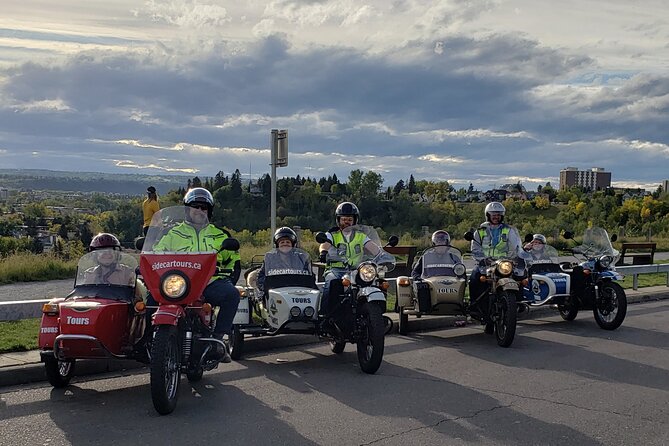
(560, 383)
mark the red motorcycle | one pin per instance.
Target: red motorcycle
(183, 324)
(100, 318)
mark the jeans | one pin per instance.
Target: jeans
(333, 274)
(476, 287)
(223, 294)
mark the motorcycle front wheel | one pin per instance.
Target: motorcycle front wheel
(165, 369)
(611, 307)
(59, 373)
(505, 320)
(370, 346)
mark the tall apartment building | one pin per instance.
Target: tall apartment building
(665, 185)
(594, 179)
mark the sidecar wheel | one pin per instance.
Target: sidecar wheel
(489, 328)
(337, 347)
(236, 344)
(370, 347)
(403, 325)
(165, 369)
(611, 307)
(568, 312)
(505, 325)
(59, 373)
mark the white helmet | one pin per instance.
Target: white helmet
(494, 206)
(540, 237)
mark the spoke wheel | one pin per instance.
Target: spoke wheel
(370, 346)
(59, 373)
(611, 307)
(165, 369)
(505, 322)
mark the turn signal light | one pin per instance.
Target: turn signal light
(525, 282)
(403, 281)
(482, 278)
(587, 272)
(384, 285)
(50, 308)
(206, 307)
(140, 306)
(346, 281)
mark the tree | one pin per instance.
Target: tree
(399, 187)
(412, 185)
(236, 184)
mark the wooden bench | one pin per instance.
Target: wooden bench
(643, 253)
(404, 258)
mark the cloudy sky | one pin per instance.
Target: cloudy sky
(480, 91)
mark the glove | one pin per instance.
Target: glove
(323, 256)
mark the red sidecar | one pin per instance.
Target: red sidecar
(100, 318)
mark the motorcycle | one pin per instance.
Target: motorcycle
(592, 281)
(504, 273)
(101, 318)
(439, 291)
(357, 300)
(183, 324)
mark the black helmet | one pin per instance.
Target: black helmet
(441, 238)
(200, 195)
(104, 240)
(347, 209)
(285, 232)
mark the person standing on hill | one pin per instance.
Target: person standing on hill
(150, 206)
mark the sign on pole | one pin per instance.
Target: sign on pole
(279, 158)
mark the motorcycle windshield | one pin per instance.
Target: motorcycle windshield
(166, 226)
(371, 248)
(105, 267)
(440, 261)
(596, 242)
(288, 267)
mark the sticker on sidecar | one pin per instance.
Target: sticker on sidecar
(49, 330)
(301, 300)
(78, 320)
(175, 264)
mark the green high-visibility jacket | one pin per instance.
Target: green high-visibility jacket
(354, 249)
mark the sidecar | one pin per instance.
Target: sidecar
(548, 284)
(98, 319)
(441, 290)
(289, 304)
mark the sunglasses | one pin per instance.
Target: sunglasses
(202, 207)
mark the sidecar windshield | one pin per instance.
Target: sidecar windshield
(351, 253)
(171, 227)
(544, 254)
(105, 267)
(596, 242)
(440, 261)
(291, 267)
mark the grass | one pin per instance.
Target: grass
(19, 336)
(27, 267)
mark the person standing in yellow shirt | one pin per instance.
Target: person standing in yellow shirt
(150, 206)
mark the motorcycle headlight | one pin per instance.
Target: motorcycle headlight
(459, 269)
(505, 267)
(366, 272)
(605, 261)
(174, 285)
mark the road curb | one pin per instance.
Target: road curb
(26, 367)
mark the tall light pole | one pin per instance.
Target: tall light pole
(278, 143)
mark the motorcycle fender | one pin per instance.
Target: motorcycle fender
(405, 293)
(507, 283)
(613, 275)
(243, 314)
(168, 315)
(48, 331)
(372, 293)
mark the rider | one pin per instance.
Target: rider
(344, 242)
(294, 261)
(441, 240)
(109, 270)
(536, 246)
(197, 234)
(492, 238)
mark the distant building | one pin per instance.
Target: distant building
(665, 186)
(594, 179)
(4, 193)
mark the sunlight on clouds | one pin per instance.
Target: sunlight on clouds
(49, 105)
(645, 146)
(440, 159)
(133, 165)
(443, 135)
(187, 14)
(343, 12)
(377, 127)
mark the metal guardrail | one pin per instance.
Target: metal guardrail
(27, 309)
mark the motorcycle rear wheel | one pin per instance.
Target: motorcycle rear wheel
(505, 323)
(568, 312)
(611, 307)
(165, 369)
(370, 347)
(59, 373)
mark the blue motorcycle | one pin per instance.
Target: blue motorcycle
(588, 284)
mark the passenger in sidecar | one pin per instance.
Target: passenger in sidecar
(548, 283)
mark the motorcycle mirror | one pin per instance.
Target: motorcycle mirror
(321, 237)
(528, 238)
(469, 236)
(139, 243)
(393, 240)
(230, 244)
(614, 237)
(568, 235)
